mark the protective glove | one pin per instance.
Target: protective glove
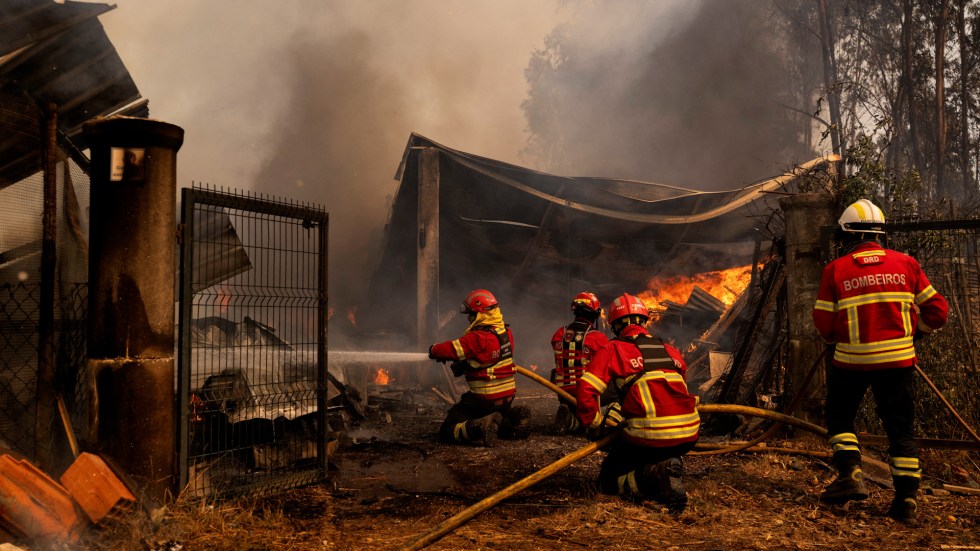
(458, 368)
(594, 433)
(431, 357)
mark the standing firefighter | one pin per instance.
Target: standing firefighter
(660, 418)
(484, 354)
(873, 304)
(574, 345)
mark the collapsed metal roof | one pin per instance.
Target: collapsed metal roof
(53, 53)
(538, 237)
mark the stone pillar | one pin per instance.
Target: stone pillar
(131, 295)
(805, 256)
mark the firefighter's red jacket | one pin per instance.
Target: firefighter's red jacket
(574, 345)
(658, 411)
(488, 375)
(871, 303)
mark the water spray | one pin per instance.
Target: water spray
(373, 356)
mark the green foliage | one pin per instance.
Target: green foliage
(897, 191)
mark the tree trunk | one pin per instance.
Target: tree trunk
(913, 140)
(830, 76)
(941, 19)
(966, 63)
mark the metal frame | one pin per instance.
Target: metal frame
(312, 217)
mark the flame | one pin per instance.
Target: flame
(351, 315)
(724, 285)
(382, 377)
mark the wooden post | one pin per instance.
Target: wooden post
(428, 256)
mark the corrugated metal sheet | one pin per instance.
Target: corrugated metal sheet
(59, 54)
(539, 238)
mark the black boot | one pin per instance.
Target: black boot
(903, 509)
(848, 486)
(663, 482)
(483, 431)
(565, 421)
(904, 506)
(515, 424)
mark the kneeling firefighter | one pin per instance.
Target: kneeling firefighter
(660, 419)
(574, 345)
(484, 354)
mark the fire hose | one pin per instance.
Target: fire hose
(458, 519)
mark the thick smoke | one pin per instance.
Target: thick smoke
(315, 101)
(692, 94)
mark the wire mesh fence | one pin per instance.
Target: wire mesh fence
(252, 343)
(31, 429)
(948, 253)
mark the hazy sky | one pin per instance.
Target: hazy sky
(226, 71)
(315, 100)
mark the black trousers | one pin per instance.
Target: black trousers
(623, 457)
(892, 390)
(470, 408)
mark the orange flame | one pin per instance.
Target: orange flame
(351, 315)
(382, 377)
(724, 285)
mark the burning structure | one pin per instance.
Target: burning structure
(460, 221)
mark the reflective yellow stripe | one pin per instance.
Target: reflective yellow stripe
(492, 387)
(844, 437)
(907, 318)
(903, 472)
(910, 463)
(880, 346)
(596, 421)
(874, 298)
(594, 381)
(646, 398)
(660, 434)
(459, 432)
(845, 441)
(875, 358)
(826, 306)
(627, 484)
(671, 420)
(460, 355)
(925, 295)
(853, 328)
(869, 253)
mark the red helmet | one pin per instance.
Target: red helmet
(627, 305)
(479, 300)
(586, 301)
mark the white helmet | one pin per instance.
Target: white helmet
(862, 216)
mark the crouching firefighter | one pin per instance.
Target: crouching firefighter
(574, 345)
(660, 419)
(873, 304)
(484, 354)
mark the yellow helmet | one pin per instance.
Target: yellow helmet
(862, 216)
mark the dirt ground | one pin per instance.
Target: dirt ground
(394, 482)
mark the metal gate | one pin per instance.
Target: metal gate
(252, 343)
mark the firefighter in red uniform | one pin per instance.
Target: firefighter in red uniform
(873, 303)
(484, 354)
(574, 345)
(660, 419)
